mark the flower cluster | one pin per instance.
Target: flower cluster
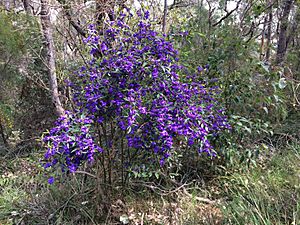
(70, 142)
(135, 83)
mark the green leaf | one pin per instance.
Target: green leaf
(248, 129)
(265, 66)
(282, 83)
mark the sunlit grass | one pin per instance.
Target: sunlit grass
(267, 194)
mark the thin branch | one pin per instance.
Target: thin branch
(200, 199)
(228, 14)
(86, 173)
(165, 16)
(180, 4)
(76, 26)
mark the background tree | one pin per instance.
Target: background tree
(282, 39)
(50, 51)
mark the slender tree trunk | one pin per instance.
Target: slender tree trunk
(269, 35)
(26, 4)
(67, 10)
(49, 46)
(3, 134)
(282, 40)
(294, 26)
(165, 16)
(262, 45)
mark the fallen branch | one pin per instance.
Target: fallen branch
(200, 199)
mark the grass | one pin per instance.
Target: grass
(268, 193)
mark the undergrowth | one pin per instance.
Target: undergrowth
(265, 193)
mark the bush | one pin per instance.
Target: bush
(134, 103)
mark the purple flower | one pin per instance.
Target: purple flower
(147, 15)
(84, 129)
(136, 95)
(51, 180)
(122, 125)
(199, 68)
(103, 47)
(155, 73)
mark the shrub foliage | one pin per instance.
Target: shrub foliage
(135, 104)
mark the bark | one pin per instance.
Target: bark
(165, 16)
(269, 35)
(107, 7)
(67, 11)
(50, 59)
(3, 134)
(262, 45)
(26, 5)
(102, 7)
(282, 40)
(294, 26)
(227, 14)
(181, 4)
(210, 16)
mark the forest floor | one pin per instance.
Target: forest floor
(267, 192)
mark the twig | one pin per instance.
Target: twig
(108, 215)
(62, 206)
(67, 12)
(227, 14)
(200, 199)
(86, 173)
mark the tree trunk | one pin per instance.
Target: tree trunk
(294, 26)
(165, 16)
(3, 134)
(269, 35)
(50, 59)
(282, 40)
(262, 44)
(26, 5)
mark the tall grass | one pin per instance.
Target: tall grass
(267, 194)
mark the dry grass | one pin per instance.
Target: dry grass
(155, 209)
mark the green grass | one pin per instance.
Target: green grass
(266, 194)
(11, 199)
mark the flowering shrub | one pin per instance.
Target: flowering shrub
(70, 142)
(135, 97)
